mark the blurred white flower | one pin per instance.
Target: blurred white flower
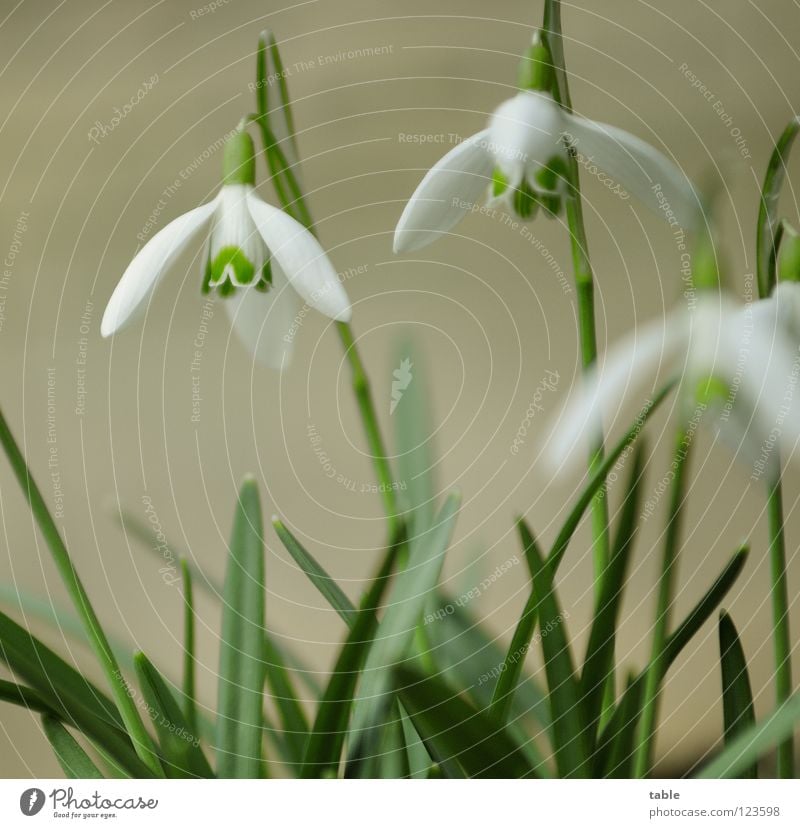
(738, 369)
(521, 159)
(258, 258)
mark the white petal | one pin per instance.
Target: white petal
(149, 265)
(264, 322)
(301, 258)
(604, 394)
(525, 133)
(637, 167)
(446, 194)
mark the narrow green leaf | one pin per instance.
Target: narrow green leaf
(60, 618)
(242, 668)
(189, 692)
(419, 760)
(142, 743)
(70, 695)
(508, 680)
(454, 731)
(71, 756)
(410, 593)
(675, 644)
(599, 661)
(750, 745)
(327, 586)
(615, 750)
(183, 757)
(410, 410)
(737, 697)
(597, 480)
(324, 747)
(768, 209)
(568, 716)
(271, 77)
(24, 697)
(468, 657)
(293, 720)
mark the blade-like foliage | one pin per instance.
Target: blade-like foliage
(411, 591)
(73, 759)
(324, 748)
(454, 731)
(292, 718)
(737, 697)
(242, 669)
(767, 224)
(182, 756)
(751, 744)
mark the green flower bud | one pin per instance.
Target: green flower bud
(789, 256)
(535, 72)
(239, 159)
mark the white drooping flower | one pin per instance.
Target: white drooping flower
(521, 161)
(258, 259)
(738, 368)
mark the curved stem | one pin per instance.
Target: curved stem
(294, 203)
(584, 283)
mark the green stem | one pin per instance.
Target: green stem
(189, 692)
(284, 177)
(142, 742)
(584, 282)
(666, 594)
(363, 394)
(780, 618)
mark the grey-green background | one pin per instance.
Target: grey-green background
(380, 91)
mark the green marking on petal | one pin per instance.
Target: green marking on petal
(552, 174)
(205, 288)
(711, 389)
(552, 205)
(265, 281)
(499, 183)
(525, 201)
(232, 261)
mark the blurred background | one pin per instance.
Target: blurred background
(111, 115)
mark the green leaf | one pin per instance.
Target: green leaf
(454, 731)
(413, 427)
(70, 695)
(419, 760)
(71, 756)
(767, 224)
(24, 697)
(189, 692)
(271, 75)
(468, 657)
(675, 644)
(599, 662)
(615, 749)
(330, 590)
(183, 757)
(142, 743)
(324, 746)
(750, 745)
(242, 669)
(508, 680)
(411, 591)
(293, 720)
(737, 697)
(568, 730)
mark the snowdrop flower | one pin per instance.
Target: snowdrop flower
(521, 159)
(738, 365)
(257, 258)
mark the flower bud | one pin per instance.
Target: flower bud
(789, 256)
(239, 159)
(535, 72)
